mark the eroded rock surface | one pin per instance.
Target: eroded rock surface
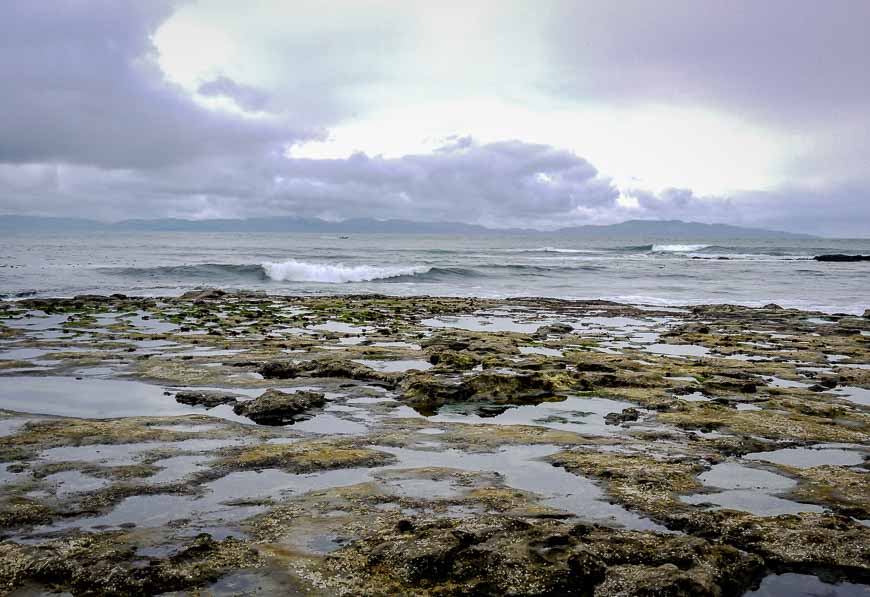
(371, 445)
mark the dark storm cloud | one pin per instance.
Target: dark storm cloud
(81, 85)
(507, 183)
(90, 126)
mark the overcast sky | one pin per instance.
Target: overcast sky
(534, 113)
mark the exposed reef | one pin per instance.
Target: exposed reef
(233, 443)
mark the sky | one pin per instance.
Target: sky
(542, 113)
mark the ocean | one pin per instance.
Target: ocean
(656, 272)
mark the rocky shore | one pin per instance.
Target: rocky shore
(243, 444)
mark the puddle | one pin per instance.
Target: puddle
(804, 585)
(69, 482)
(730, 475)
(337, 326)
(547, 352)
(747, 500)
(22, 354)
(520, 468)
(178, 467)
(351, 340)
(809, 457)
(11, 426)
(38, 322)
(398, 366)
(745, 406)
(7, 476)
(215, 505)
(484, 324)
(748, 489)
(626, 324)
(580, 415)
(151, 325)
(326, 424)
(820, 321)
(778, 382)
(154, 344)
(371, 400)
(695, 397)
(408, 345)
(678, 350)
(89, 398)
(124, 454)
(852, 394)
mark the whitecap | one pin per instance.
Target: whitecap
(338, 273)
(677, 248)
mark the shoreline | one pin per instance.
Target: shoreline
(377, 444)
(648, 303)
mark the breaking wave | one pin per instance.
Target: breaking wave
(300, 271)
(677, 248)
(330, 273)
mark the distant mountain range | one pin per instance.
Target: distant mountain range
(666, 229)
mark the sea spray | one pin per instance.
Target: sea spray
(338, 273)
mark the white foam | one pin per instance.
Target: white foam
(338, 273)
(677, 248)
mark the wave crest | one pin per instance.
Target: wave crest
(300, 271)
(677, 248)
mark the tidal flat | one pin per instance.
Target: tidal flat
(237, 443)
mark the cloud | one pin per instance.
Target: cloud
(838, 210)
(96, 122)
(777, 60)
(245, 96)
(81, 85)
(503, 184)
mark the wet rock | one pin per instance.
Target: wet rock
(325, 367)
(306, 456)
(688, 328)
(492, 557)
(274, 407)
(555, 329)
(511, 556)
(206, 398)
(841, 258)
(427, 392)
(91, 298)
(627, 415)
(666, 580)
(824, 384)
(106, 564)
(455, 360)
(202, 295)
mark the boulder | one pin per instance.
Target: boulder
(203, 294)
(325, 367)
(206, 398)
(274, 407)
(627, 415)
